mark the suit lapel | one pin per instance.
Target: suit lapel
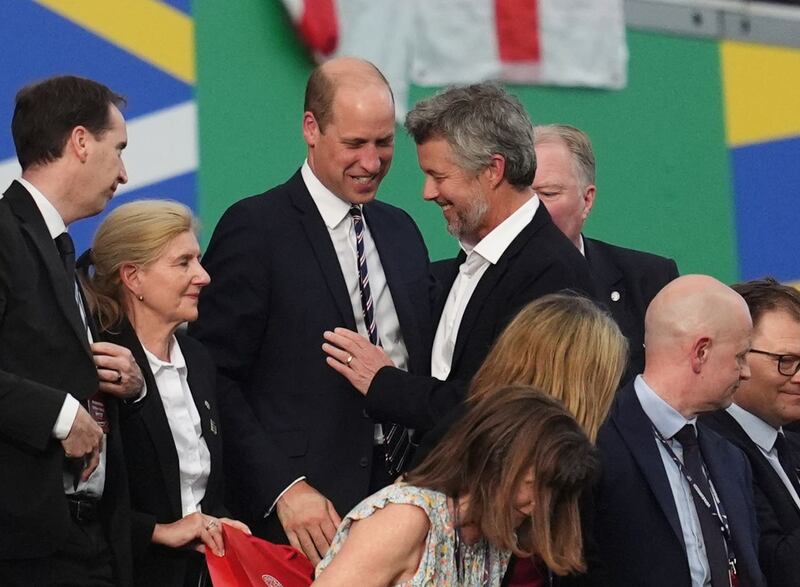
(388, 252)
(203, 396)
(727, 427)
(155, 419)
(320, 241)
(34, 226)
(637, 432)
(605, 273)
(490, 279)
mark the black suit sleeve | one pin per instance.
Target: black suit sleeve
(778, 549)
(421, 402)
(28, 410)
(234, 310)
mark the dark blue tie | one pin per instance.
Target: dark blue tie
(716, 551)
(787, 461)
(397, 442)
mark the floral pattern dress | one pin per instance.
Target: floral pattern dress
(482, 564)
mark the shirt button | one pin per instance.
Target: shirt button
(364, 461)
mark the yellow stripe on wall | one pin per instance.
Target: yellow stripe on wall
(761, 91)
(151, 30)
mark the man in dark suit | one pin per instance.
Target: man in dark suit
(475, 147)
(315, 253)
(674, 505)
(625, 280)
(63, 493)
(762, 405)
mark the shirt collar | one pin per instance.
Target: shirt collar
(763, 434)
(493, 245)
(55, 224)
(667, 420)
(582, 248)
(176, 360)
(331, 207)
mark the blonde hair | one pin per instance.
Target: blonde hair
(567, 346)
(136, 233)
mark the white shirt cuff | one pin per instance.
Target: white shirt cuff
(277, 499)
(138, 398)
(66, 417)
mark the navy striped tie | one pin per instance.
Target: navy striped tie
(397, 441)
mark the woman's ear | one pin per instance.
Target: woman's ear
(130, 276)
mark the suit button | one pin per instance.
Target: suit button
(364, 461)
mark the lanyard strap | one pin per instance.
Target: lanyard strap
(714, 505)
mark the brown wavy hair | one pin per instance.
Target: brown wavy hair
(488, 453)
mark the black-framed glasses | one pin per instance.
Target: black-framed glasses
(788, 365)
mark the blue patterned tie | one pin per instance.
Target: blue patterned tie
(397, 441)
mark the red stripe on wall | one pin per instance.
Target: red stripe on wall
(517, 23)
(318, 26)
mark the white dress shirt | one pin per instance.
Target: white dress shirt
(487, 252)
(668, 422)
(96, 482)
(194, 460)
(335, 213)
(764, 437)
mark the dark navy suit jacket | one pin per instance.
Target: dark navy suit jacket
(626, 281)
(539, 261)
(276, 286)
(778, 515)
(637, 529)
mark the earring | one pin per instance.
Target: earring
(141, 298)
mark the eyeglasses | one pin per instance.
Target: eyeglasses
(788, 365)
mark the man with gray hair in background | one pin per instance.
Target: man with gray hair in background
(625, 280)
(475, 149)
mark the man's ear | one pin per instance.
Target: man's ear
(588, 200)
(311, 130)
(78, 142)
(700, 353)
(495, 172)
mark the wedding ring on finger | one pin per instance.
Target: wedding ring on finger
(349, 360)
(119, 378)
(211, 524)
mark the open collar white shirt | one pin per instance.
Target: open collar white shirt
(194, 459)
(479, 258)
(764, 437)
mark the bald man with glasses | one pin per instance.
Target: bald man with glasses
(762, 407)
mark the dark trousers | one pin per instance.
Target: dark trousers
(84, 561)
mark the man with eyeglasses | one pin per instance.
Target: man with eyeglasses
(762, 406)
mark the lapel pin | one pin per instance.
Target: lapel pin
(615, 296)
(213, 427)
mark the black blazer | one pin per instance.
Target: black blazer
(626, 281)
(276, 287)
(777, 513)
(44, 354)
(152, 460)
(540, 260)
(636, 523)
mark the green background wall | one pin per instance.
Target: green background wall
(663, 173)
